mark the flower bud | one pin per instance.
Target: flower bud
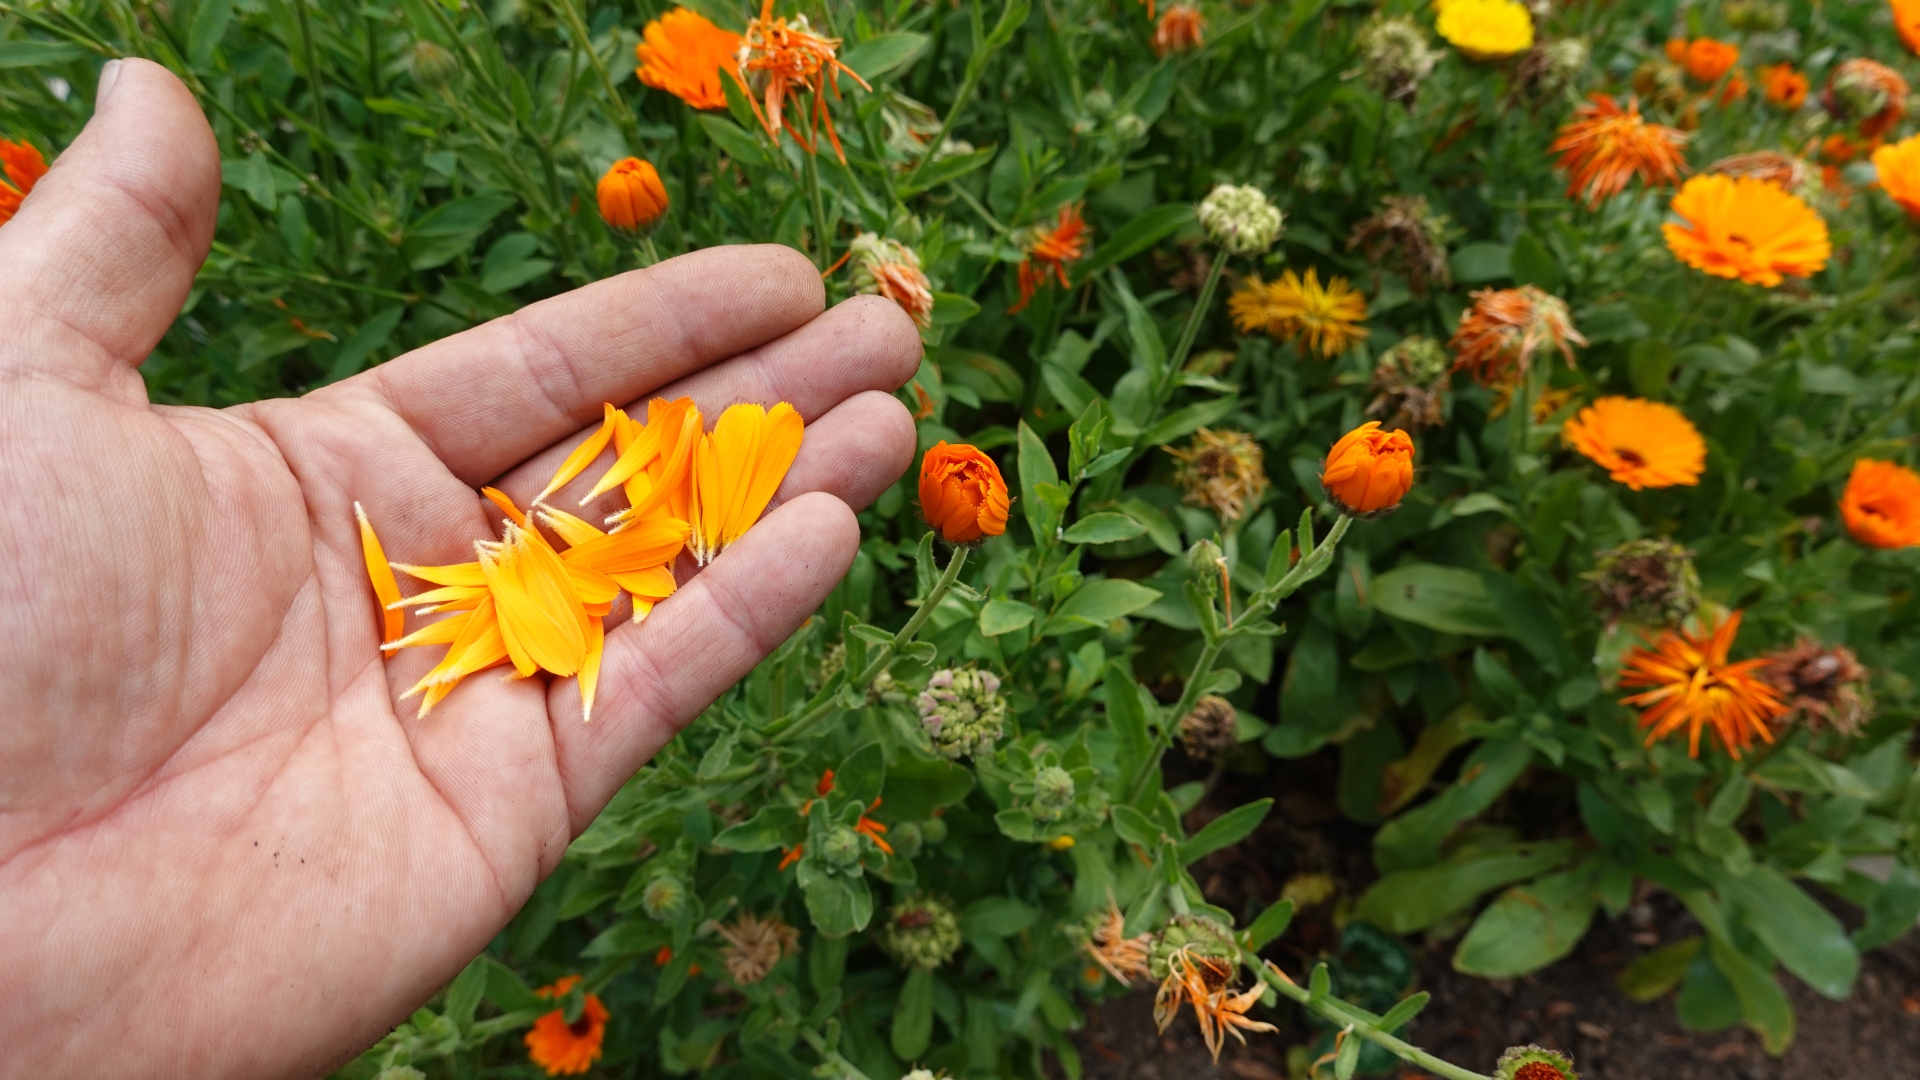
(631, 195)
(1369, 470)
(962, 494)
(1052, 793)
(1881, 504)
(934, 830)
(921, 932)
(963, 712)
(432, 65)
(906, 838)
(1241, 219)
(842, 847)
(664, 898)
(1203, 562)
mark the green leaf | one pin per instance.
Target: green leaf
(1892, 908)
(251, 175)
(1135, 827)
(1097, 603)
(1224, 831)
(947, 169)
(1528, 927)
(952, 309)
(770, 827)
(1104, 528)
(372, 335)
(465, 992)
(209, 26)
(1413, 839)
(1650, 367)
(733, 140)
(877, 56)
(1763, 1004)
(505, 988)
(1730, 800)
(1404, 1010)
(1474, 263)
(1443, 598)
(1409, 900)
(913, 1014)
(997, 916)
(1183, 422)
(1149, 349)
(1269, 925)
(838, 905)
(1654, 973)
(1004, 616)
(29, 53)
(1036, 467)
(920, 786)
(1533, 264)
(862, 774)
(1137, 235)
(1795, 927)
(1132, 741)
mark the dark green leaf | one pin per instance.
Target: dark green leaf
(877, 56)
(1224, 831)
(1137, 235)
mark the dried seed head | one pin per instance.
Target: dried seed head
(1211, 730)
(1241, 219)
(755, 945)
(1199, 936)
(1649, 581)
(1550, 66)
(963, 711)
(1410, 385)
(1824, 685)
(1223, 470)
(1411, 236)
(1534, 1063)
(1395, 56)
(921, 931)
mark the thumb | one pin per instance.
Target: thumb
(103, 251)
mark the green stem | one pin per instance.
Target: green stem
(622, 112)
(1346, 1015)
(322, 141)
(1202, 667)
(647, 250)
(976, 68)
(1191, 331)
(822, 242)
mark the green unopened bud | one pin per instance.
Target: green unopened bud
(663, 899)
(921, 932)
(1241, 219)
(934, 830)
(432, 65)
(1203, 562)
(1052, 793)
(842, 847)
(905, 838)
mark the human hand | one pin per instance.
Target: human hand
(226, 849)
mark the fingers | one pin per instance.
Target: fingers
(853, 453)
(659, 674)
(489, 398)
(102, 254)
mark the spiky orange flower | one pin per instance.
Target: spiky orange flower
(1499, 334)
(1181, 29)
(564, 1049)
(1691, 684)
(1906, 19)
(1706, 59)
(1642, 444)
(1783, 86)
(1747, 230)
(1204, 982)
(1327, 319)
(1867, 93)
(1881, 505)
(1124, 958)
(792, 60)
(1899, 168)
(1604, 146)
(685, 54)
(1048, 253)
(23, 167)
(631, 196)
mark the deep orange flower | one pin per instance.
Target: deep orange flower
(685, 54)
(1604, 146)
(1906, 19)
(1048, 253)
(1642, 444)
(793, 60)
(1881, 505)
(1747, 230)
(1368, 471)
(1783, 86)
(1899, 168)
(1868, 93)
(1737, 87)
(565, 1049)
(736, 469)
(1706, 59)
(1692, 684)
(962, 494)
(1181, 29)
(631, 195)
(24, 167)
(1499, 334)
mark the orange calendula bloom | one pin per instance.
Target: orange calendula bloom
(1605, 146)
(23, 166)
(962, 494)
(1783, 86)
(793, 60)
(1747, 230)
(1642, 444)
(1691, 684)
(1906, 19)
(1181, 29)
(1706, 59)
(1048, 253)
(1881, 505)
(631, 195)
(889, 268)
(736, 469)
(565, 1049)
(1499, 334)
(1368, 471)
(1327, 319)
(1204, 982)
(1899, 168)
(685, 54)
(1867, 93)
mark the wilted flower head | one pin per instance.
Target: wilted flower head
(921, 931)
(1196, 961)
(1604, 146)
(791, 60)
(1784, 171)
(686, 55)
(1212, 729)
(1410, 385)
(1784, 87)
(1241, 219)
(891, 269)
(631, 195)
(1411, 235)
(1048, 253)
(23, 166)
(1641, 443)
(1368, 471)
(1866, 93)
(431, 64)
(1180, 29)
(1881, 504)
(1485, 29)
(963, 712)
(1650, 581)
(1691, 684)
(1662, 82)
(1327, 319)
(1395, 56)
(1125, 958)
(1552, 65)
(755, 945)
(1899, 167)
(564, 1049)
(962, 494)
(1500, 333)
(1224, 470)
(1534, 1063)
(1823, 685)
(1746, 230)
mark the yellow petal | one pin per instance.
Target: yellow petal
(590, 668)
(499, 498)
(582, 455)
(380, 576)
(652, 584)
(737, 468)
(463, 574)
(443, 632)
(450, 595)
(573, 530)
(637, 547)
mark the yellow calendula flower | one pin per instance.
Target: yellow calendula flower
(1485, 29)
(1326, 318)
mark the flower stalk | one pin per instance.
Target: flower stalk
(1359, 1021)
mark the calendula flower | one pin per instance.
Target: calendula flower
(1747, 230)
(1691, 684)
(1784, 171)
(1706, 59)
(23, 166)
(1823, 685)
(1123, 957)
(963, 712)
(755, 945)
(736, 469)
(1899, 167)
(1504, 328)
(1534, 1063)
(1395, 56)
(1221, 470)
(1326, 319)
(891, 269)
(1881, 504)
(962, 494)
(1409, 235)
(1181, 29)
(1784, 87)
(1211, 730)
(1048, 253)
(1868, 94)
(921, 931)
(1642, 444)
(1485, 29)
(564, 1049)
(791, 59)
(1906, 20)
(1369, 470)
(631, 195)
(1650, 581)
(1410, 384)
(685, 54)
(1204, 981)
(1240, 219)
(1604, 146)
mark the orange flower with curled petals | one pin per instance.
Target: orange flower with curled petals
(1746, 230)
(1604, 146)
(736, 469)
(1368, 471)
(1706, 60)
(564, 1049)
(1899, 168)
(1906, 20)
(962, 494)
(23, 166)
(1048, 253)
(791, 59)
(684, 54)
(1691, 684)
(1181, 29)
(1867, 93)
(1783, 86)
(1499, 334)
(1642, 444)
(631, 195)
(1881, 505)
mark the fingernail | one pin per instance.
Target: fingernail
(109, 75)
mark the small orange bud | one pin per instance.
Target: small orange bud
(962, 494)
(631, 195)
(1881, 504)
(1369, 471)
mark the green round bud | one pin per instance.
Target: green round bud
(906, 839)
(934, 830)
(663, 899)
(432, 65)
(1052, 793)
(842, 847)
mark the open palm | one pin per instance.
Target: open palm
(226, 849)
